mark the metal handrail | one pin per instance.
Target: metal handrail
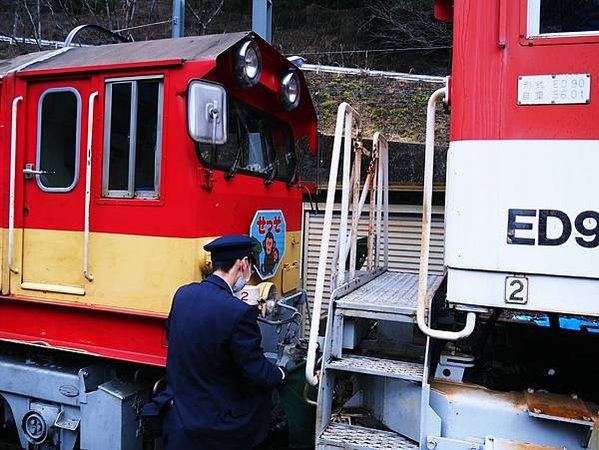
(381, 146)
(88, 177)
(11, 204)
(344, 110)
(377, 183)
(426, 231)
(373, 73)
(381, 199)
(346, 184)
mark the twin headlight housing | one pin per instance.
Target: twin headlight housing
(248, 68)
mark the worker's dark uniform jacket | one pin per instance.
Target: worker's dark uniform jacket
(219, 383)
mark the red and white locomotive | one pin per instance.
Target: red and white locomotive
(503, 353)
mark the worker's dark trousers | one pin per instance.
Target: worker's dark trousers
(174, 438)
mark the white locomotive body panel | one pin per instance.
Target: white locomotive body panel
(522, 224)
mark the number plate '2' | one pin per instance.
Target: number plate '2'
(516, 290)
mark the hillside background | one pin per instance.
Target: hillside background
(392, 35)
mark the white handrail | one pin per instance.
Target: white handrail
(355, 216)
(88, 177)
(342, 113)
(382, 198)
(11, 204)
(426, 231)
(345, 192)
(347, 120)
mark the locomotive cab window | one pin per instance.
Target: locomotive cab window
(558, 18)
(59, 113)
(257, 144)
(132, 138)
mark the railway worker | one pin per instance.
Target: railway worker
(219, 382)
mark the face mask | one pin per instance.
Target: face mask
(239, 284)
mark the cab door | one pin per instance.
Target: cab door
(54, 187)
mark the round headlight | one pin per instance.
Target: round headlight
(290, 90)
(248, 64)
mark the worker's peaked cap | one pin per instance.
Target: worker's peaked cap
(232, 247)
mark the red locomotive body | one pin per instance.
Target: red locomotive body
(498, 43)
(106, 201)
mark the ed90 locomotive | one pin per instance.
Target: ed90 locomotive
(117, 164)
(498, 353)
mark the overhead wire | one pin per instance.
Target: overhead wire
(143, 26)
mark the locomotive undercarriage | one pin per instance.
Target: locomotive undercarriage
(58, 400)
(518, 382)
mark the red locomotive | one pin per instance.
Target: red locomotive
(118, 164)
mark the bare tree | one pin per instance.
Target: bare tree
(405, 23)
(63, 15)
(204, 12)
(35, 22)
(150, 17)
(114, 15)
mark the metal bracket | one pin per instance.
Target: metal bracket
(208, 179)
(452, 365)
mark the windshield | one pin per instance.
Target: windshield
(256, 144)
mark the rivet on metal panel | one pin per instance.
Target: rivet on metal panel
(431, 444)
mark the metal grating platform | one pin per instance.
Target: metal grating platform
(377, 366)
(355, 438)
(390, 292)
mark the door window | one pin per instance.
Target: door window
(555, 18)
(59, 118)
(132, 139)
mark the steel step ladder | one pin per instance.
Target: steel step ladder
(390, 297)
(391, 387)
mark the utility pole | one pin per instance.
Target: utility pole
(178, 18)
(262, 19)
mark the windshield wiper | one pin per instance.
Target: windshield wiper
(235, 167)
(272, 174)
